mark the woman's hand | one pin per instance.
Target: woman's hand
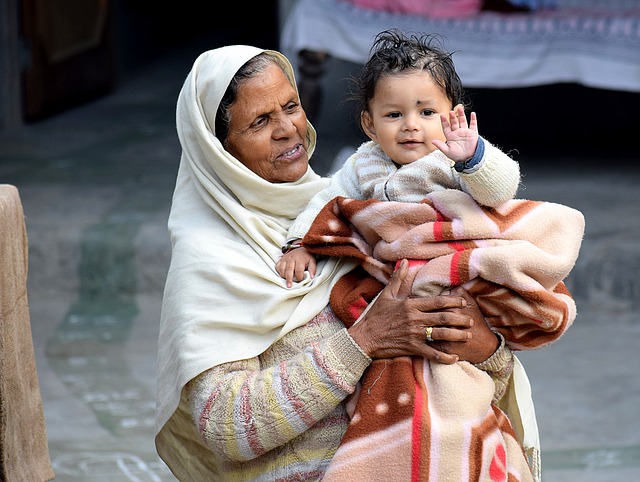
(395, 323)
(482, 343)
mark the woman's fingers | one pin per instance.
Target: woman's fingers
(435, 355)
(396, 323)
(441, 333)
(482, 341)
(397, 286)
(434, 311)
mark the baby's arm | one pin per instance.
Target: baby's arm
(494, 180)
(296, 259)
(486, 173)
(294, 262)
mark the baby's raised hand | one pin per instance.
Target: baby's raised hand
(462, 138)
(292, 265)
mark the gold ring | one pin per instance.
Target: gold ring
(429, 331)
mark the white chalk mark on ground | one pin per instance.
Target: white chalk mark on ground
(107, 465)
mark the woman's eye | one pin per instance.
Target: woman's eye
(259, 121)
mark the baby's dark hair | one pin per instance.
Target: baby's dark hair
(393, 52)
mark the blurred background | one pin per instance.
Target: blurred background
(59, 54)
(87, 134)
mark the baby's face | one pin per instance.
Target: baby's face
(404, 115)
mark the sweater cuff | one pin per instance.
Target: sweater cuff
(347, 352)
(499, 367)
(473, 164)
(502, 358)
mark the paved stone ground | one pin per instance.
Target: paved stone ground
(96, 185)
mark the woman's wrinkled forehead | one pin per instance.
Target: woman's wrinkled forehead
(213, 72)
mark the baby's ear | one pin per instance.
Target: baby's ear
(367, 126)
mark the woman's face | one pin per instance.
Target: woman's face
(268, 127)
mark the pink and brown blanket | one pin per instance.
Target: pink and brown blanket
(414, 420)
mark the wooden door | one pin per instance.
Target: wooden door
(70, 54)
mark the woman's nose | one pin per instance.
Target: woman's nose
(284, 126)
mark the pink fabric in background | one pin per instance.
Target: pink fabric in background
(424, 8)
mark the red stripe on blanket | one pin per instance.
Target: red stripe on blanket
(438, 226)
(454, 273)
(498, 466)
(416, 436)
(357, 307)
(416, 263)
(437, 231)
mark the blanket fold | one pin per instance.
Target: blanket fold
(512, 259)
(414, 420)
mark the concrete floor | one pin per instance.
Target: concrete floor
(96, 185)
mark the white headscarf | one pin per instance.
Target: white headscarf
(223, 299)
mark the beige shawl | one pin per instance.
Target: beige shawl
(223, 299)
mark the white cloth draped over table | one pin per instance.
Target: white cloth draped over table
(595, 43)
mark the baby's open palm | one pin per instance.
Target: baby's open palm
(462, 137)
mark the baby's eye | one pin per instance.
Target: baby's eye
(428, 112)
(394, 115)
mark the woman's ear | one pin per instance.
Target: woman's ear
(367, 126)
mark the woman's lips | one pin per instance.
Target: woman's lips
(293, 153)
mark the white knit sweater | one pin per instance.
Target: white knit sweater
(370, 173)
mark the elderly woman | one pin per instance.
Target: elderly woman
(253, 376)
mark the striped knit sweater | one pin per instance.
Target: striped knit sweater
(279, 416)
